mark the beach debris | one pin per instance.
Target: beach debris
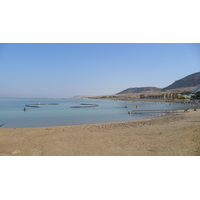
(15, 152)
(2, 124)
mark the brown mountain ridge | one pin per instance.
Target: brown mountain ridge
(187, 83)
(139, 90)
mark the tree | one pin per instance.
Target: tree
(197, 94)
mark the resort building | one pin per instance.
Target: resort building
(160, 96)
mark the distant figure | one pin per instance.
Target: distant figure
(136, 106)
(186, 110)
(129, 112)
(25, 109)
(126, 107)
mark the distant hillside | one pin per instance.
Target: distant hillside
(188, 81)
(140, 90)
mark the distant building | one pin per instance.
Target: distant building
(160, 96)
(187, 96)
(196, 90)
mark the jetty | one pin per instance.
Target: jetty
(154, 112)
(159, 112)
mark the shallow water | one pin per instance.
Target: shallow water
(13, 115)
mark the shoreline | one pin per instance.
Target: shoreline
(168, 135)
(128, 111)
(172, 111)
(128, 98)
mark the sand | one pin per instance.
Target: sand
(170, 135)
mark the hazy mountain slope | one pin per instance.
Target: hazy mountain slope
(139, 90)
(188, 81)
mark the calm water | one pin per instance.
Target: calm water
(12, 114)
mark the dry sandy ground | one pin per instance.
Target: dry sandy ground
(172, 135)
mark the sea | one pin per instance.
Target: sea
(64, 112)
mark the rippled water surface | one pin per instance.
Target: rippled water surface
(12, 114)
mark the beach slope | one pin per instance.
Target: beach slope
(171, 135)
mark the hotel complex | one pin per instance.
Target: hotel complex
(160, 96)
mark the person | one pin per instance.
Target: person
(25, 109)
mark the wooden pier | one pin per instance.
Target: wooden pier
(165, 111)
(155, 112)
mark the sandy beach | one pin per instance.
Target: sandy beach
(170, 135)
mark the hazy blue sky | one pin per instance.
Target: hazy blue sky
(66, 70)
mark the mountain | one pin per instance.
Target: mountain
(140, 90)
(188, 81)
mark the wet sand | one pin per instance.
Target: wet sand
(170, 135)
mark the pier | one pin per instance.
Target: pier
(163, 111)
(155, 112)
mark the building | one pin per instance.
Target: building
(160, 96)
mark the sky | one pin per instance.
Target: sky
(63, 70)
